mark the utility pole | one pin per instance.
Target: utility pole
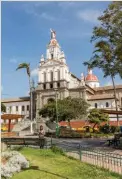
(57, 127)
(31, 103)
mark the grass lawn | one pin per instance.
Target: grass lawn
(46, 164)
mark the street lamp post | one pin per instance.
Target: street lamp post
(31, 105)
(57, 127)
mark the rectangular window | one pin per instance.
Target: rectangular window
(58, 85)
(51, 85)
(16, 108)
(44, 86)
(23, 108)
(27, 107)
(10, 109)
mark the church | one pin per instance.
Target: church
(56, 81)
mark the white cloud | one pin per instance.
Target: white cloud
(13, 60)
(47, 16)
(75, 34)
(34, 72)
(66, 5)
(109, 83)
(27, 93)
(1, 88)
(33, 9)
(89, 15)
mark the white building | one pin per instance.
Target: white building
(54, 75)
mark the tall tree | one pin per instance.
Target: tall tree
(68, 108)
(108, 44)
(27, 67)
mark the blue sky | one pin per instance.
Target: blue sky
(25, 34)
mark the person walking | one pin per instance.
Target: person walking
(41, 137)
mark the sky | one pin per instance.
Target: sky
(26, 33)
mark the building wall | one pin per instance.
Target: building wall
(93, 84)
(102, 103)
(11, 107)
(73, 82)
(111, 91)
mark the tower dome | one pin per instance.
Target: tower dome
(91, 79)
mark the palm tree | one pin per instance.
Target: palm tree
(107, 38)
(27, 67)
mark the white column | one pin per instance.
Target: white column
(42, 77)
(39, 76)
(47, 74)
(61, 73)
(54, 74)
(19, 109)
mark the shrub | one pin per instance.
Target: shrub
(57, 150)
(109, 129)
(114, 129)
(105, 129)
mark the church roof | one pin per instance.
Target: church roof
(101, 97)
(104, 88)
(26, 98)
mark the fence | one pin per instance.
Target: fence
(106, 160)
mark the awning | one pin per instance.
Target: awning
(11, 116)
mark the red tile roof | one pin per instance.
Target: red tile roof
(91, 77)
(79, 124)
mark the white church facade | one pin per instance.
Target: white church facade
(56, 80)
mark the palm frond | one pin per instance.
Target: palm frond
(24, 65)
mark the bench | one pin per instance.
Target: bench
(23, 141)
(115, 141)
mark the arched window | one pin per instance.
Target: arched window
(58, 75)
(95, 105)
(44, 76)
(107, 104)
(51, 76)
(23, 108)
(51, 56)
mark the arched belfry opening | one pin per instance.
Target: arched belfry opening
(50, 100)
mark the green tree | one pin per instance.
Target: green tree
(96, 116)
(68, 108)
(108, 44)
(3, 107)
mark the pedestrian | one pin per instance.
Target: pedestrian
(41, 137)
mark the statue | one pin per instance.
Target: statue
(82, 79)
(53, 34)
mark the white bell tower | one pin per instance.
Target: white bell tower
(53, 48)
